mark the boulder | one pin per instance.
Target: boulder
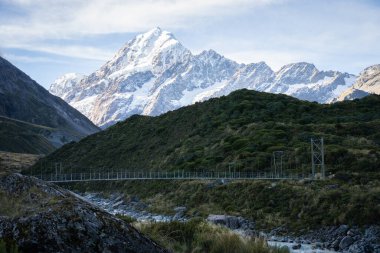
(296, 246)
(231, 222)
(180, 213)
(345, 242)
(341, 230)
(353, 232)
(361, 247)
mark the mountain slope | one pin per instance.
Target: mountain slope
(154, 73)
(368, 82)
(243, 128)
(37, 121)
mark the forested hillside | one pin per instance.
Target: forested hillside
(240, 130)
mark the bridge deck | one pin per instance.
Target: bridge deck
(178, 175)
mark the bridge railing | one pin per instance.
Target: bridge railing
(181, 175)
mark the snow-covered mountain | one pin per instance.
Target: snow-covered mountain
(155, 73)
(368, 82)
(63, 85)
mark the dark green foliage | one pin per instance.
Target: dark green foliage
(8, 246)
(244, 128)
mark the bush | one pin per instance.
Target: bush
(8, 246)
(199, 236)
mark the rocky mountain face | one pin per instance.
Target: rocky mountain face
(42, 217)
(28, 110)
(154, 73)
(368, 82)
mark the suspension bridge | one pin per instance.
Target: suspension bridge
(277, 173)
(173, 175)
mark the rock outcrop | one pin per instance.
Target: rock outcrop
(42, 217)
(231, 222)
(367, 83)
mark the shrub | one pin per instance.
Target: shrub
(198, 236)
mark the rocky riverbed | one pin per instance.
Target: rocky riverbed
(325, 240)
(115, 204)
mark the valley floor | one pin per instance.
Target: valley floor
(308, 212)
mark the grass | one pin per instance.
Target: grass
(197, 236)
(22, 137)
(7, 246)
(15, 162)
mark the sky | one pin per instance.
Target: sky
(47, 39)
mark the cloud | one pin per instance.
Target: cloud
(29, 24)
(65, 19)
(32, 59)
(342, 32)
(75, 51)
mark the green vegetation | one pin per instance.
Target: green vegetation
(296, 205)
(197, 236)
(23, 137)
(8, 246)
(243, 128)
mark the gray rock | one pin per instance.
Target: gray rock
(361, 247)
(180, 213)
(345, 242)
(341, 230)
(353, 232)
(64, 223)
(335, 244)
(135, 198)
(296, 246)
(232, 222)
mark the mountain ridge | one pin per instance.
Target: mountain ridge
(154, 73)
(367, 83)
(36, 120)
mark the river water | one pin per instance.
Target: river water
(305, 248)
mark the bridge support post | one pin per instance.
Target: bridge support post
(317, 157)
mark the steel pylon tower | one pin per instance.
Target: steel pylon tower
(277, 162)
(317, 157)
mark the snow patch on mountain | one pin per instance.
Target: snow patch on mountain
(64, 84)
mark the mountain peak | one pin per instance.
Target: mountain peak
(145, 52)
(371, 70)
(300, 72)
(66, 83)
(154, 35)
(297, 65)
(156, 31)
(209, 54)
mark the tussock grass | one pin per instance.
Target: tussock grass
(197, 236)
